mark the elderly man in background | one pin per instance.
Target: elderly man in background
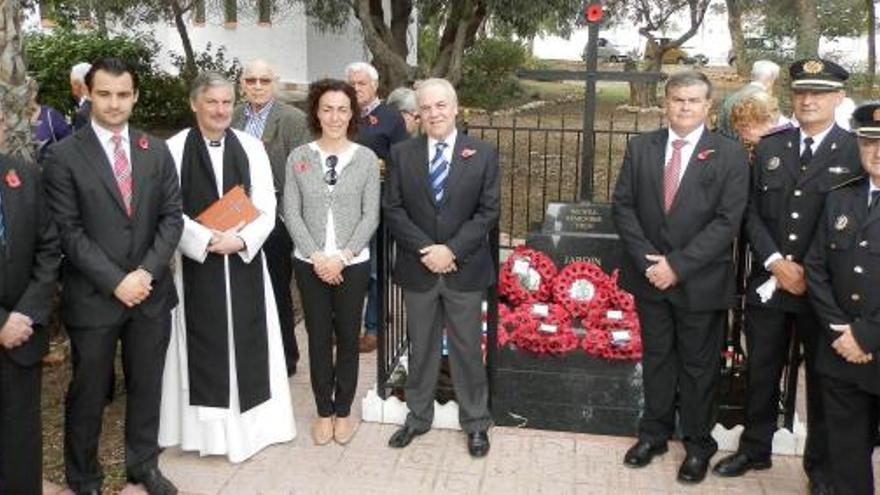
(403, 100)
(80, 92)
(281, 128)
(764, 76)
(379, 127)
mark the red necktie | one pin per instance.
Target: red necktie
(671, 174)
(122, 171)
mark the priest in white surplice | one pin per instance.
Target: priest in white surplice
(224, 389)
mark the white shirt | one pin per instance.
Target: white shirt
(687, 150)
(817, 139)
(105, 137)
(871, 189)
(447, 152)
(330, 247)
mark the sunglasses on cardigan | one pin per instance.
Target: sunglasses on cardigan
(330, 175)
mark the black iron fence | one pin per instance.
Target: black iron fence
(540, 159)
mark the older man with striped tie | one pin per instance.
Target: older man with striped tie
(441, 201)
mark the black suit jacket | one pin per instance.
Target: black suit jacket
(100, 242)
(786, 202)
(462, 221)
(29, 257)
(82, 116)
(843, 276)
(696, 235)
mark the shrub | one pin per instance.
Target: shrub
(488, 76)
(162, 99)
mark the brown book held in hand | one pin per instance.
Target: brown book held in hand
(227, 212)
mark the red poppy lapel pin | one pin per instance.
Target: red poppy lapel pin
(301, 166)
(144, 143)
(373, 120)
(705, 154)
(468, 152)
(12, 179)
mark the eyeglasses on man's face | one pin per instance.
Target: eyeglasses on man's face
(252, 81)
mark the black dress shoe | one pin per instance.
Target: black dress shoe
(478, 443)
(403, 437)
(640, 454)
(739, 464)
(693, 469)
(155, 482)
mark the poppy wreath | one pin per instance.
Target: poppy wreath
(581, 287)
(502, 335)
(530, 337)
(599, 340)
(535, 284)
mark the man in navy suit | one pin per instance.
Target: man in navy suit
(29, 260)
(440, 202)
(115, 196)
(677, 206)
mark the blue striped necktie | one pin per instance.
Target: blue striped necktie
(438, 170)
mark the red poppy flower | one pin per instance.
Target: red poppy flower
(144, 143)
(705, 154)
(301, 166)
(373, 120)
(12, 179)
(468, 152)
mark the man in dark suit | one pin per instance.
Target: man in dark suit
(81, 114)
(115, 196)
(282, 128)
(677, 206)
(793, 171)
(843, 273)
(29, 259)
(379, 127)
(440, 202)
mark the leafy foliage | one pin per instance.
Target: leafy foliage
(162, 99)
(489, 81)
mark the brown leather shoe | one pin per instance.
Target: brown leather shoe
(368, 343)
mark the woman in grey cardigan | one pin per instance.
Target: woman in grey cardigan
(331, 208)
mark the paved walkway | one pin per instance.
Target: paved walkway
(520, 462)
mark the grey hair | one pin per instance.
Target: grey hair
(764, 70)
(78, 72)
(422, 86)
(687, 78)
(403, 99)
(206, 80)
(249, 67)
(362, 67)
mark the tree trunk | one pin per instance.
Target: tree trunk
(189, 68)
(14, 89)
(392, 66)
(872, 44)
(734, 25)
(807, 29)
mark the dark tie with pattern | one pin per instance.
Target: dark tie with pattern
(874, 195)
(438, 170)
(807, 155)
(672, 173)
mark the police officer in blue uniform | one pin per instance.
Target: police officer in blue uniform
(843, 277)
(792, 172)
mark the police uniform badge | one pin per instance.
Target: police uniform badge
(841, 222)
(813, 67)
(773, 163)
